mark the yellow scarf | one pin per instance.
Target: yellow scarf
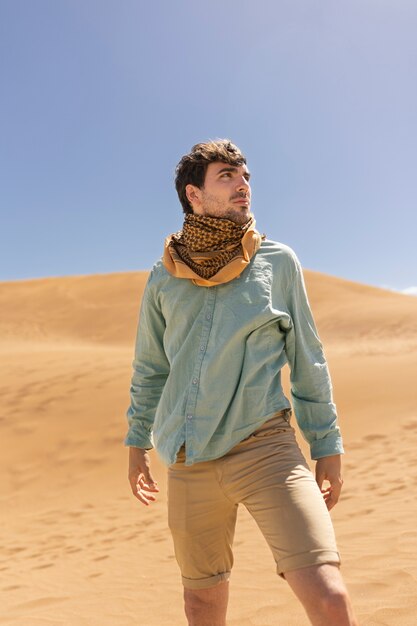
(210, 250)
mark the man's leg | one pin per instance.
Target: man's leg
(270, 476)
(207, 607)
(322, 592)
(202, 522)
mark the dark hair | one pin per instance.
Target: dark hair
(191, 170)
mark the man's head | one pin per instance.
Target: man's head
(213, 180)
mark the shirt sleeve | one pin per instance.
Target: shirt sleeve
(311, 387)
(150, 371)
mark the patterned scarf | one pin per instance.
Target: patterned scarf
(210, 250)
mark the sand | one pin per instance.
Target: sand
(76, 547)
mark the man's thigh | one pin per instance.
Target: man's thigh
(202, 523)
(270, 476)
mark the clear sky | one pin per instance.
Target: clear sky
(100, 99)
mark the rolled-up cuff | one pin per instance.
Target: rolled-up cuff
(328, 446)
(205, 583)
(307, 559)
(136, 440)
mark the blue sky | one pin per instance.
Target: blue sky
(100, 99)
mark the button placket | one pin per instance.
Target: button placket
(207, 316)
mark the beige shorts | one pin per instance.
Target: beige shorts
(267, 473)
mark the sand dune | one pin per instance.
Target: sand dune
(76, 547)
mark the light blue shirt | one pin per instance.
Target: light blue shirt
(208, 360)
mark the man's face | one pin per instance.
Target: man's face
(226, 193)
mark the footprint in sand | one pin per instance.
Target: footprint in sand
(392, 490)
(411, 424)
(33, 604)
(15, 549)
(75, 513)
(375, 437)
(90, 461)
(72, 550)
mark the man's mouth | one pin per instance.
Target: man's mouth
(241, 200)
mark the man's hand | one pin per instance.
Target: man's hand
(330, 468)
(140, 478)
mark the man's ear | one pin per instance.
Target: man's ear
(193, 194)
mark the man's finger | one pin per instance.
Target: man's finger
(142, 494)
(149, 485)
(330, 503)
(153, 488)
(149, 480)
(335, 489)
(326, 494)
(142, 498)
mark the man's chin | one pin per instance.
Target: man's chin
(238, 216)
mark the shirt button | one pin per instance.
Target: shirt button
(189, 417)
(208, 316)
(202, 348)
(195, 381)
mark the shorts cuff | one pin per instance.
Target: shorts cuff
(307, 559)
(205, 583)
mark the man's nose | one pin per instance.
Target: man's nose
(243, 185)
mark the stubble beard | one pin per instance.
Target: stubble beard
(213, 208)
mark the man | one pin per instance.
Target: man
(222, 313)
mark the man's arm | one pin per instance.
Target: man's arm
(311, 390)
(150, 371)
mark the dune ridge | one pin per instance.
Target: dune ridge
(77, 548)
